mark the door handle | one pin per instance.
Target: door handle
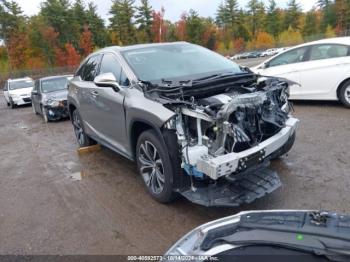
(94, 93)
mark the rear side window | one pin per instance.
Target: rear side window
(90, 69)
(320, 52)
(110, 64)
(290, 57)
(5, 87)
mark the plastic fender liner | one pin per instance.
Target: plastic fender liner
(244, 190)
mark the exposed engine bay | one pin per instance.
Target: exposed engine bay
(229, 127)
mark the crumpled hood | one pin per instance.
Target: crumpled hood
(22, 91)
(60, 95)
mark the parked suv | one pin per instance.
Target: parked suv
(17, 91)
(49, 97)
(195, 123)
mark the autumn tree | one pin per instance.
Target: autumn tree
(290, 37)
(86, 42)
(11, 17)
(181, 33)
(264, 41)
(159, 27)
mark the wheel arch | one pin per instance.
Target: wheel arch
(340, 86)
(137, 127)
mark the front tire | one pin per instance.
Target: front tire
(344, 94)
(12, 104)
(155, 167)
(82, 138)
(45, 115)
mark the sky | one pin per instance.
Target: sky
(173, 8)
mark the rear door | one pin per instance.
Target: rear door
(287, 65)
(109, 115)
(320, 75)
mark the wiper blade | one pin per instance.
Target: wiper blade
(221, 76)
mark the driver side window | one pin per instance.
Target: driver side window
(111, 65)
(6, 87)
(290, 57)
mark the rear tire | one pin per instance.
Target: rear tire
(344, 94)
(83, 139)
(155, 167)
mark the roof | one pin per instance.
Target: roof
(20, 79)
(138, 46)
(336, 40)
(55, 77)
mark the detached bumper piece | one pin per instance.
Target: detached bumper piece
(245, 190)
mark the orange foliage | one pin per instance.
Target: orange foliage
(86, 42)
(239, 45)
(264, 41)
(73, 57)
(159, 28)
(181, 28)
(68, 56)
(18, 50)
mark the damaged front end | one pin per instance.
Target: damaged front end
(227, 133)
(56, 109)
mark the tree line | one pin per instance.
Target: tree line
(64, 31)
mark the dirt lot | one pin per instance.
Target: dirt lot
(44, 211)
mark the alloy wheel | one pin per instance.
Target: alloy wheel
(78, 129)
(347, 94)
(151, 167)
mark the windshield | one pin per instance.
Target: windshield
(53, 85)
(21, 84)
(177, 61)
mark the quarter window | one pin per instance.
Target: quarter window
(290, 57)
(319, 52)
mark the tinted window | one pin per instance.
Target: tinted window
(91, 68)
(290, 57)
(177, 61)
(328, 51)
(5, 87)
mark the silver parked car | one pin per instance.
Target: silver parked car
(49, 97)
(195, 123)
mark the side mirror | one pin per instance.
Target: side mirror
(264, 66)
(107, 80)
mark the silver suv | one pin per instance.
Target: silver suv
(196, 123)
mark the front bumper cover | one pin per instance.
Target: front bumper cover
(225, 165)
(56, 113)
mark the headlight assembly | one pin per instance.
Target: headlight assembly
(53, 103)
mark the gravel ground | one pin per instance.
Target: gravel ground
(45, 211)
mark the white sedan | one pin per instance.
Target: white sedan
(322, 68)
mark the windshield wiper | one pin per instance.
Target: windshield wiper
(220, 76)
